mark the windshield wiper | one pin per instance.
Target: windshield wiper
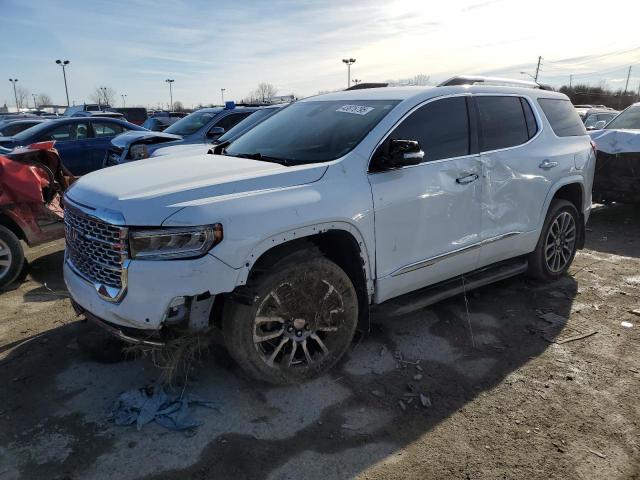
(263, 158)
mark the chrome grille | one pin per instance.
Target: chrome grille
(95, 248)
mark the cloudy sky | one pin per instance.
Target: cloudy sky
(134, 45)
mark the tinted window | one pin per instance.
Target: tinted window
(245, 124)
(441, 128)
(529, 117)
(629, 119)
(562, 116)
(232, 120)
(16, 127)
(313, 131)
(502, 122)
(66, 132)
(103, 129)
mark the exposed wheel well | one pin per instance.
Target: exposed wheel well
(11, 225)
(338, 246)
(574, 194)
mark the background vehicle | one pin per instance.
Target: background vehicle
(158, 122)
(201, 127)
(248, 123)
(275, 241)
(31, 182)
(80, 142)
(617, 176)
(135, 115)
(12, 127)
(596, 118)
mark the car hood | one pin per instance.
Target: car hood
(7, 141)
(125, 139)
(147, 192)
(182, 150)
(616, 141)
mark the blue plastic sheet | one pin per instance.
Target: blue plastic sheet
(146, 405)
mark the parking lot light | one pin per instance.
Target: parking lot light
(63, 64)
(349, 62)
(14, 81)
(170, 81)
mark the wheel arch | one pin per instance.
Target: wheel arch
(7, 222)
(571, 189)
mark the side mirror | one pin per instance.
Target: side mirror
(403, 153)
(215, 132)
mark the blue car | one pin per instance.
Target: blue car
(202, 127)
(81, 142)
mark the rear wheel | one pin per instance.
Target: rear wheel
(11, 256)
(558, 242)
(302, 320)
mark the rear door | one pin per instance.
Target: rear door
(427, 216)
(103, 133)
(520, 162)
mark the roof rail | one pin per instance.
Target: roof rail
(496, 81)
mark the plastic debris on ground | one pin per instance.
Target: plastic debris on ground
(146, 405)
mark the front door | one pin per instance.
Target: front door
(71, 142)
(428, 216)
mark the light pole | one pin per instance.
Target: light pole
(222, 90)
(124, 103)
(103, 91)
(14, 81)
(170, 81)
(35, 104)
(63, 64)
(349, 62)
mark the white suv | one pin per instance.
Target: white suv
(388, 197)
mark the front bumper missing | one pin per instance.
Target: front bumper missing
(129, 335)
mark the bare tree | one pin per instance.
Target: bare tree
(421, 79)
(178, 106)
(23, 97)
(103, 96)
(44, 99)
(264, 92)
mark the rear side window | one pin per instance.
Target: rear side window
(502, 122)
(562, 116)
(441, 128)
(529, 117)
(104, 129)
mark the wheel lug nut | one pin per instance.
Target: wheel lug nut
(299, 333)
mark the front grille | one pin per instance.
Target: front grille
(95, 248)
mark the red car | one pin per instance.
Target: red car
(32, 181)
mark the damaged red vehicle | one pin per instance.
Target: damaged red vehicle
(32, 181)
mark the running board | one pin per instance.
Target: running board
(427, 296)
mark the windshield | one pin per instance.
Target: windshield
(191, 123)
(629, 119)
(316, 131)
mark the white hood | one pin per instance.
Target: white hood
(146, 192)
(616, 141)
(183, 150)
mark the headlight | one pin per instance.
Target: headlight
(138, 152)
(174, 242)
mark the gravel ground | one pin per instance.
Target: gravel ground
(504, 396)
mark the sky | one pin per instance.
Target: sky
(132, 46)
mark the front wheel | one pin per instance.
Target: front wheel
(302, 320)
(557, 244)
(11, 257)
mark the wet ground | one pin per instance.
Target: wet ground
(503, 397)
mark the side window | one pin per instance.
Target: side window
(232, 120)
(502, 122)
(66, 132)
(105, 129)
(562, 116)
(441, 127)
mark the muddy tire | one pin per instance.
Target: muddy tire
(11, 257)
(301, 321)
(557, 244)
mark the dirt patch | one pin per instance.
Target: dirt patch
(505, 399)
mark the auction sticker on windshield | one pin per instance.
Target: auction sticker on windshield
(357, 109)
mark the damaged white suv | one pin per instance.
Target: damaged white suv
(388, 197)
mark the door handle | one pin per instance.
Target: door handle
(467, 178)
(547, 164)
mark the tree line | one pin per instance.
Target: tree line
(580, 94)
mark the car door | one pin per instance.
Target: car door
(103, 133)
(519, 167)
(428, 216)
(71, 143)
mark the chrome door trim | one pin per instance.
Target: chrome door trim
(433, 260)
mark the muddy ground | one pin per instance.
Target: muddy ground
(506, 400)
